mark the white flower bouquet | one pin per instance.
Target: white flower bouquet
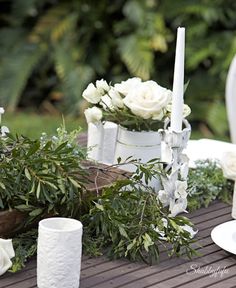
(133, 104)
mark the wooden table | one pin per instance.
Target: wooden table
(177, 272)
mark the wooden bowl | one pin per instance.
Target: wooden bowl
(11, 221)
(100, 176)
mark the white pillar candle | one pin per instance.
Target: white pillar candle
(178, 84)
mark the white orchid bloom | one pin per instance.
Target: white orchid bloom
(181, 187)
(164, 197)
(177, 206)
(190, 230)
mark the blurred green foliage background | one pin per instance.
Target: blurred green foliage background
(51, 49)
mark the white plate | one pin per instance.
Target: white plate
(224, 235)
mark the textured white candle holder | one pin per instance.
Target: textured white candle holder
(59, 253)
(174, 182)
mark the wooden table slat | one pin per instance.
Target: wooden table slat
(100, 272)
(225, 283)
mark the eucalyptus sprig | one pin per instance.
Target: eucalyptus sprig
(131, 222)
(128, 221)
(25, 246)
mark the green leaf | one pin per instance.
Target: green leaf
(24, 207)
(147, 241)
(27, 174)
(2, 186)
(1, 203)
(36, 212)
(75, 183)
(60, 147)
(123, 232)
(33, 149)
(47, 196)
(51, 185)
(38, 190)
(99, 206)
(130, 246)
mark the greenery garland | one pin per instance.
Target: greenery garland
(136, 229)
(207, 183)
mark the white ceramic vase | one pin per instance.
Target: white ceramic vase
(101, 142)
(95, 141)
(59, 253)
(144, 145)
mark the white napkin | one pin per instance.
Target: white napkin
(207, 149)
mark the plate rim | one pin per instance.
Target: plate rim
(230, 233)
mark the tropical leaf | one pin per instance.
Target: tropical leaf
(15, 71)
(137, 55)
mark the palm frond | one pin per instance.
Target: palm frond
(74, 76)
(15, 70)
(137, 55)
(49, 22)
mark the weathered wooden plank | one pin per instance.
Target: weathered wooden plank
(105, 267)
(93, 262)
(201, 280)
(26, 283)
(213, 222)
(226, 283)
(17, 277)
(138, 276)
(115, 269)
(214, 206)
(211, 215)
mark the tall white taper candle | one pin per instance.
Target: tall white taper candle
(178, 84)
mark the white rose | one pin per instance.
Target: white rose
(228, 164)
(126, 86)
(102, 86)
(148, 99)
(2, 110)
(106, 102)
(186, 109)
(92, 94)
(158, 116)
(116, 99)
(181, 187)
(93, 115)
(6, 253)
